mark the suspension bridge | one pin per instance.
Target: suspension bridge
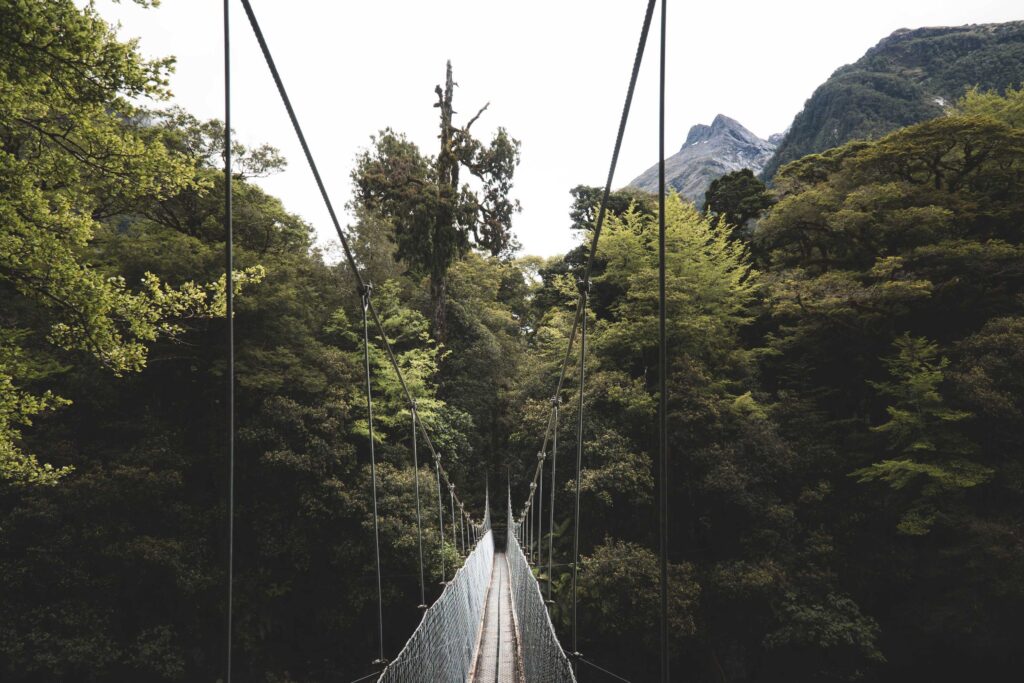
(491, 622)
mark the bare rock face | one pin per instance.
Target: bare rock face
(709, 153)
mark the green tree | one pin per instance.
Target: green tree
(436, 220)
(737, 198)
(586, 201)
(894, 281)
(71, 155)
(922, 429)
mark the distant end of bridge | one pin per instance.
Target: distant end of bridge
(490, 624)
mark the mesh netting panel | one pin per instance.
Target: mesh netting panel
(543, 659)
(442, 647)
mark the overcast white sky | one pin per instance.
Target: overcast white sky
(554, 71)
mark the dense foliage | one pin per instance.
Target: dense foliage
(846, 401)
(738, 198)
(907, 78)
(436, 219)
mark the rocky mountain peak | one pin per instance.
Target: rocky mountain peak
(721, 127)
(709, 152)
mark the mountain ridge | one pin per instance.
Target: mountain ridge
(909, 76)
(707, 153)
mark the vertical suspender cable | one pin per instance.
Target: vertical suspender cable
(440, 520)
(533, 520)
(365, 293)
(662, 367)
(528, 528)
(451, 494)
(229, 286)
(525, 532)
(527, 519)
(579, 466)
(551, 519)
(462, 528)
(419, 519)
(540, 509)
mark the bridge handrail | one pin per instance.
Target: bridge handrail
(543, 658)
(442, 646)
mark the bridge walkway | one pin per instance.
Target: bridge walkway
(498, 653)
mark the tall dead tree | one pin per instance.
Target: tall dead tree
(436, 220)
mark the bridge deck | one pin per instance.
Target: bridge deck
(496, 657)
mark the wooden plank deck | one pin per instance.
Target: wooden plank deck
(496, 660)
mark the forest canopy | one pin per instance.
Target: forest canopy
(845, 387)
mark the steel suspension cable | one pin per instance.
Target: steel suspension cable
(579, 322)
(603, 207)
(602, 669)
(579, 467)
(618, 140)
(373, 471)
(302, 138)
(602, 210)
(229, 287)
(662, 369)
(419, 520)
(286, 100)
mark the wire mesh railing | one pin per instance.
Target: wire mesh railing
(442, 647)
(542, 656)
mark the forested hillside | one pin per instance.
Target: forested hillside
(846, 392)
(910, 76)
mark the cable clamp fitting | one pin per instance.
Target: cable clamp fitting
(365, 291)
(583, 286)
